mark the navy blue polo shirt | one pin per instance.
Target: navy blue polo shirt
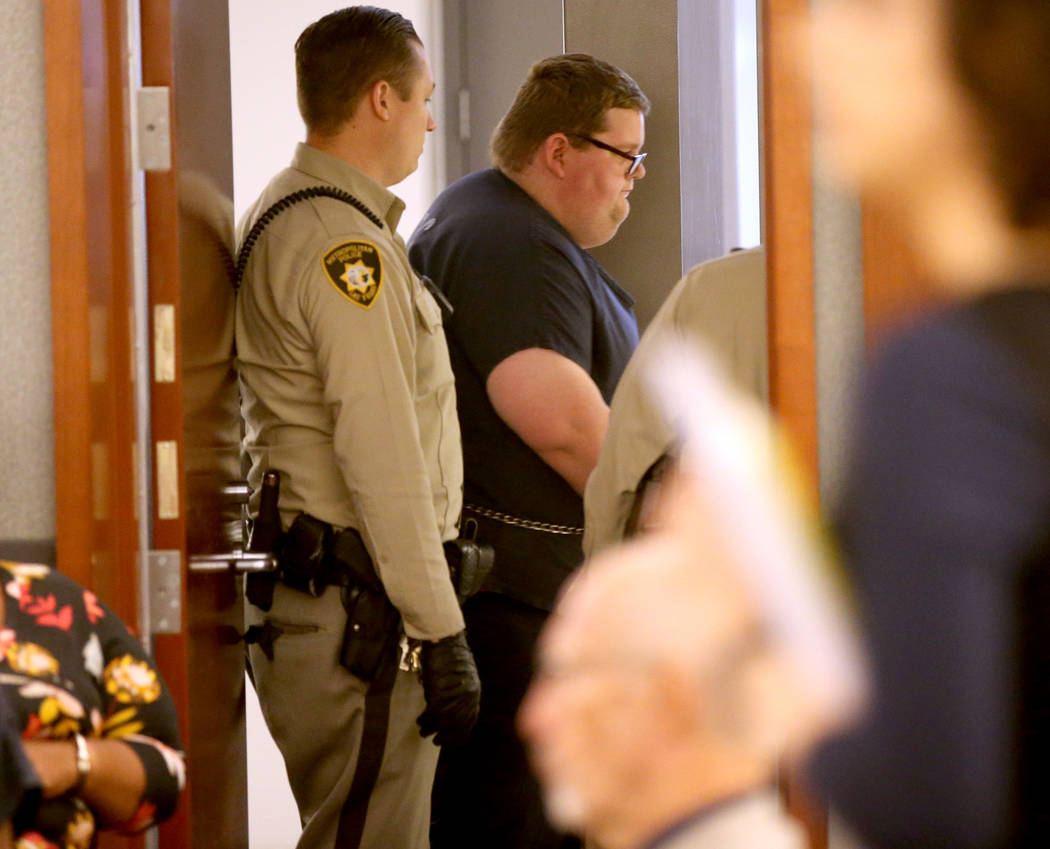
(517, 280)
(945, 529)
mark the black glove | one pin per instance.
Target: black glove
(452, 690)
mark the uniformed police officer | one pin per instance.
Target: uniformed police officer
(347, 391)
(720, 303)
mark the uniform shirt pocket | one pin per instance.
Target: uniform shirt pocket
(428, 313)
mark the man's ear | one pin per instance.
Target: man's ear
(379, 100)
(553, 151)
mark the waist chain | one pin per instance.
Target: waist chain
(518, 522)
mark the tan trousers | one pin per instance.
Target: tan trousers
(316, 712)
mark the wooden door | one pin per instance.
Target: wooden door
(101, 492)
(194, 418)
(788, 225)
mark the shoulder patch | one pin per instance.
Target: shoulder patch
(356, 270)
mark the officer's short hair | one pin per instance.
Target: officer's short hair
(339, 58)
(562, 94)
(1000, 52)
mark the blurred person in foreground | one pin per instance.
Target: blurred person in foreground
(98, 725)
(678, 669)
(939, 111)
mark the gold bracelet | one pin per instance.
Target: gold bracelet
(83, 760)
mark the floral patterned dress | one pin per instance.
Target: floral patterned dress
(67, 665)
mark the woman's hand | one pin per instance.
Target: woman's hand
(113, 787)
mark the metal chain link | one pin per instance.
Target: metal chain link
(531, 524)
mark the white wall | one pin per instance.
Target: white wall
(266, 128)
(744, 229)
(266, 122)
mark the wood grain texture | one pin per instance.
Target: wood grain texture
(788, 173)
(165, 398)
(96, 528)
(67, 195)
(189, 239)
(788, 161)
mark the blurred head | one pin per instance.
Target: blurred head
(341, 57)
(566, 116)
(638, 709)
(1000, 52)
(912, 93)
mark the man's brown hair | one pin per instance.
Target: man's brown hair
(1001, 53)
(341, 56)
(563, 94)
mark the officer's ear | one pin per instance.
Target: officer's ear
(379, 100)
(553, 152)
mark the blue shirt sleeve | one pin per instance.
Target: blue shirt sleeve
(532, 296)
(946, 505)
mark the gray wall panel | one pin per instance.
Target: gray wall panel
(489, 47)
(645, 257)
(27, 497)
(706, 143)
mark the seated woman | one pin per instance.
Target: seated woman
(938, 111)
(98, 725)
(17, 779)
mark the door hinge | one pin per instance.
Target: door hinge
(165, 591)
(153, 128)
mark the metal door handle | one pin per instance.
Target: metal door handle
(238, 560)
(234, 561)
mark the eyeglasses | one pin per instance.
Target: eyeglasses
(636, 158)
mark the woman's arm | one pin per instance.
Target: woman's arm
(113, 787)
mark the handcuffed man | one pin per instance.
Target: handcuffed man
(539, 338)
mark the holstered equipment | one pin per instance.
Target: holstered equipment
(312, 556)
(305, 561)
(373, 624)
(469, 563)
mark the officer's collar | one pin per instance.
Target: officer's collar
(340, 173)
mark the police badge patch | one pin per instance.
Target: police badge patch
(356, 270)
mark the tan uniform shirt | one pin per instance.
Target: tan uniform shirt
(722, 303)
(346, 385)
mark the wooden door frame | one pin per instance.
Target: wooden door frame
(89, 186)
(787, 121)
(788, 182)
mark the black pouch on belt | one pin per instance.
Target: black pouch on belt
(304, 560)
(372, 622)
(469, 563)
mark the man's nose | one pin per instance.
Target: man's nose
(637, 175)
